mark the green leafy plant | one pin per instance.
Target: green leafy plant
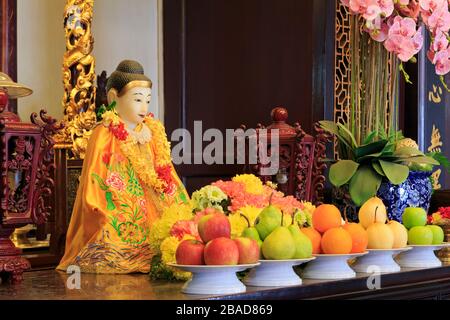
(364, 166)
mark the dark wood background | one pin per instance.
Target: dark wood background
(229, 62)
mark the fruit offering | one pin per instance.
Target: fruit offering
(382, 233)
(315, 238)
(213, 226)
(217, 247)
(337, 241)
(400, 234)
(221, 251)
(420, 235)
(438, 234)
(415, 219)
(360, 238)
(190, 252)
(248, 250)
(268, 220)
(380, 236)
(326, 216)
(278, 237)
(331, 235)
(373, 210)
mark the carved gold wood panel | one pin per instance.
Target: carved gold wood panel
(78, 77)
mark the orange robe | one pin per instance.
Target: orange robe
(114, 210)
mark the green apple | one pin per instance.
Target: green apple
(420, 235)
(438, 234)
(414, 217)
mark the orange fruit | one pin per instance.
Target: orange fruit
(360, 237)
(315, 238)
(325, 217)
(336, 241)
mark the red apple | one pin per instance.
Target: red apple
(248, 250)
(190, 252)
(221, 251)
(214, 226)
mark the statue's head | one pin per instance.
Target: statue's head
(131, 90)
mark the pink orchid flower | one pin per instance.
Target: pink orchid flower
(403, 38)
(442, 62)
(386, 7)
(403, 26)
(439, 20)
(440, 42)
(378, 29)
(428, 5)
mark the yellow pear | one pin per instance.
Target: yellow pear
(373, 210)
(400, 234)
(380, 236)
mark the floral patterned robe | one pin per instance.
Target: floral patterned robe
(114, 208)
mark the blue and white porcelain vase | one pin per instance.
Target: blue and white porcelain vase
(414, 192)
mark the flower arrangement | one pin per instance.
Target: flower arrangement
(396, 24)
(241, 199)
(175, 225)
(209, 197)
(363, 166)
(441, 217)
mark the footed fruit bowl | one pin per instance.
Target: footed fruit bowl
(213, 279)
(379, 261)
(275, 273)
(421, 256)
(330, 267)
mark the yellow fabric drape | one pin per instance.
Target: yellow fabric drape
(113, 211)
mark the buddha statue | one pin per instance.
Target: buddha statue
(126, 182)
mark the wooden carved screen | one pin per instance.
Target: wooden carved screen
(342, 70)
(353, 53)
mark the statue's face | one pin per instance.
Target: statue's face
(132, 106)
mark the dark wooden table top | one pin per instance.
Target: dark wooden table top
(51, 285)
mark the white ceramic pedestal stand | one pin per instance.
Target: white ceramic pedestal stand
(379, 261)
(275, 273)
(214, 279)
(421, 257)
(330, 267)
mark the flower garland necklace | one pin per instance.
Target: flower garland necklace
(135, 147)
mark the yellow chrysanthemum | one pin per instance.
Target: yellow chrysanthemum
(272, 185)
(252, 183)
(238, 224)
(304, 216)
(168, 250)
(110, 118)
(251, 213)
(161, 227)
